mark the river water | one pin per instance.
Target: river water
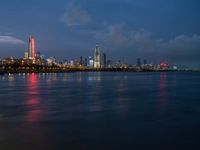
(89, 111)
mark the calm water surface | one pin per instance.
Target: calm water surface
(89, 111)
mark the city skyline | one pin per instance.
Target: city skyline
(99, 59)
(156, 30)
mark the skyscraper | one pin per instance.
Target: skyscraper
(104, 61)
(138, 62)
(97, 60)
(31, 51)
(144, 62)
(86, 62)
(91, 62)
(81, 60)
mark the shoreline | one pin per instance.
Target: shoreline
(14, 69)
(93, 70)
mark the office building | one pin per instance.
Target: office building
(97, 56)
(104, 61)
(31, 51)
(138, 62)
(26, 55)
(91, 62)
(144, 62)
(86, 62)
(81, 61)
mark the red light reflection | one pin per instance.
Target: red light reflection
(163, 90)
(33, 100)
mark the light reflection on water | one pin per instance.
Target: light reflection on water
(96, 76)
(71, 111)
(32, 102)
(122, 100)
(163, 95)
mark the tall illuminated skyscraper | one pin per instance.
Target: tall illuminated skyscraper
(97, 60)
(31, 51)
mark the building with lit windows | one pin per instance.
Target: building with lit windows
(31, 50)
(97, 61)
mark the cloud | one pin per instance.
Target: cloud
(10, 40)
(143, 43)
(113, 34)
(75, 16)
(184, 40)
(183, 46)
(118, 35)
(143, 39)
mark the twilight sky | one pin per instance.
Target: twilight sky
(157, 30)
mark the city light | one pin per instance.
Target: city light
(34, 62)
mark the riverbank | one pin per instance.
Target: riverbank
(73, 70)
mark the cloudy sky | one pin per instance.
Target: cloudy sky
(157, 30)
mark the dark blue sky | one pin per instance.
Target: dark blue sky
(158, 30)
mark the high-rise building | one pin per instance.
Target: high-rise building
(104, 60)
(31, 51)
(97, 60)
(26, 55)
(109, 63)
(38, 58)
(86, 62)
(91, 62)
(144, 62)
(138, 62)
(81, 60)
